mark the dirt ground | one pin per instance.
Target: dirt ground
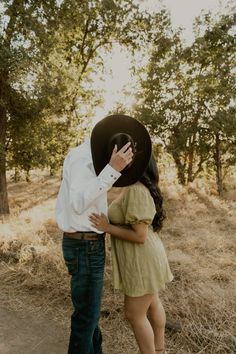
(24, 333)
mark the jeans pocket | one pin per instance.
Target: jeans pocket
(96, 257)
(71, 260)
(95, 247)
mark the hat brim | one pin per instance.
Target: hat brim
(111, 125)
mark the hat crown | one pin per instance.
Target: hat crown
(121, 128)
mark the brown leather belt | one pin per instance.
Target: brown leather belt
(80, 235)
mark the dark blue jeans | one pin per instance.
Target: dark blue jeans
(85, 261)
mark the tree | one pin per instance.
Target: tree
(168, 106)
(48, 50)
(21, 27)
(214, 52)
(188, 94)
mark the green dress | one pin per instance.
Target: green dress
(138, 269)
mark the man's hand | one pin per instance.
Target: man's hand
(120, 159)
(100, 222)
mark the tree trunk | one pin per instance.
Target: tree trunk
(191, 158)
(27, 175)
(180, 169)
(16, 175)
(218, 164)
(52, 171)
(4, 207)
(4, 96)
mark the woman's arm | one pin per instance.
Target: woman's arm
(137, 233)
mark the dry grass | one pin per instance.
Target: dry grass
(199, 236)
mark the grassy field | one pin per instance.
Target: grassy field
(199, 235)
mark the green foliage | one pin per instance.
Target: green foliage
(48, 51)
(188, 95)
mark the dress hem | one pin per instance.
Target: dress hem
(146, 292)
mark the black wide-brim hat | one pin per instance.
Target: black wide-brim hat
(101, 135)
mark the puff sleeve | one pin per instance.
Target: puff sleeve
(138, 205)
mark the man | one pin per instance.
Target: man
(82, 192)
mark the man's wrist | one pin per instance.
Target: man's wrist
(114, 167)
(109, 174)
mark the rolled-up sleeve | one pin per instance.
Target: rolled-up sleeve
(86, 187)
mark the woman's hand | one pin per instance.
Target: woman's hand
(100, 222)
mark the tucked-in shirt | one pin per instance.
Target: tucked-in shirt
(82, 192)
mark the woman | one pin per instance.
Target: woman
(140, 265)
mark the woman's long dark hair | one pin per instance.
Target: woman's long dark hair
(150, 179)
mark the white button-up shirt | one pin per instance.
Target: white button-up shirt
(82, 192)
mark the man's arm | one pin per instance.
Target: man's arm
(85, 187)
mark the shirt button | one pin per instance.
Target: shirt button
(100, 188)
(112, 176)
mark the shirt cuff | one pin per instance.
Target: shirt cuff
(109, 174)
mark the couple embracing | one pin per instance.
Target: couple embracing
(117, 154)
